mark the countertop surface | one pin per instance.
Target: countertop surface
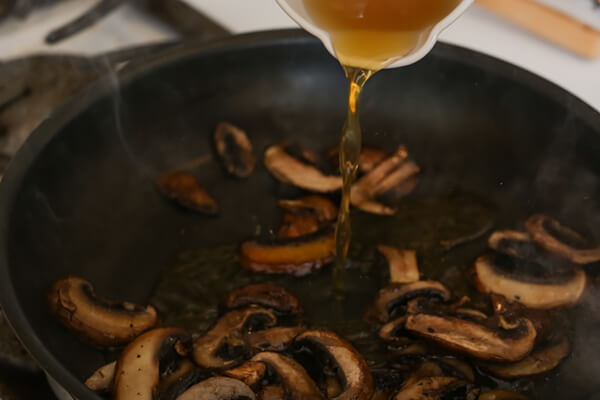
(477, 29)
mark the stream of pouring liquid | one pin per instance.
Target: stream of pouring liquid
(366, 36)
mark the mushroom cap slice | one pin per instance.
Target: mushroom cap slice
(353, 370)
(396, 294)
(474, 339)
(320, 206)
(278, 338)
(100, 321)
(560, 240)
(402, 263)
(184, 188)
(228, 331)
(137, 373)
(297, 383)
(297, 258)
(235, 150)
(218, 388)
(266, 295)
(538, 362)
(388, 332)
(488, 279)
(272, 392)
(292, 171)
(435, 388)
(102, 378)
(250, 372)
(295, 225)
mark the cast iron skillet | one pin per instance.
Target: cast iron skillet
(79, 197)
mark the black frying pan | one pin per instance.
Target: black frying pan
(79, 197)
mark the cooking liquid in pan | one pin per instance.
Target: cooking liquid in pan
(367, 35)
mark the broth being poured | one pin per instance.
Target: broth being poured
(366, 36)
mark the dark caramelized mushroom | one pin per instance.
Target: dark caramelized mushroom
(100, 321)
(290, 170)
(295, 258)
(320, 206)
(514, 243)
(179, 378)
(539, 362)
(295, 226)
(250, 372)
(353, 370)
(561, 241)
(102, 379)
(137, 373)
(396, 294)
(489, 279)
(219, 388)
(235, 149)
(272, 392)
(265, 295)
(437, 388)
(227, 337)
(185, 189)
(474, 339)
(296, 382)
(402, 263)
(273, 339)
(389, 332)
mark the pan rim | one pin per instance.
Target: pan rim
(51, 127)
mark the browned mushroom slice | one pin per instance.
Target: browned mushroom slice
(185, 189)
(102, 379)
(437, 388)
(405, 171)
(137, 373)
(513, 310)
(271, 392)
(265, 295)
(226, 338)
(178, 378)
(235, 149)
(390, 332)
(539, 362)
(514, 243)
(560, 240)
(489, 279)
(320, 206)
(250, 372)
(273, 339)
(352, 368)
(460, 368)
(474, 339)
(297, 384)
(290, 170)
(402, 263)
(397, 294)
(219, 388)
(502, 395)
(100, 321)
(295, 258)
(295, 226)
(370, 157)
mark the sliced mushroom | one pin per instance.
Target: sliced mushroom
(513, 310)
(370, 157)
(514, 243)
(272, 392)
(137, 373)
(235, 149)
(185, 189)
(437, 388)
(539, 362)
(489, 279)
(290, 170)
(102, 379)
(266, 295)
(353, 370)
(389, 332)
(460, 368)
(100, 321)
(320, 206)
(250, 372)
(474, 339)
(226, 338)
(219, 388)
(396, 294)
(178, 379)
(273, 339)
(295, 226)
(502, 395)
(402, 263)
(295, 258)
(560, 240)
(297, 383)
